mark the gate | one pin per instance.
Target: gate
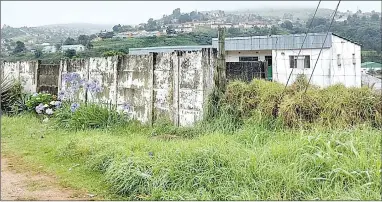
(47, 78)
(245, 71)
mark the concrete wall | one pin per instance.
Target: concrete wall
(172, 85)
(371, 81)
(25, 72)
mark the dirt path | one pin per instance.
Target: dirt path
(26, 185)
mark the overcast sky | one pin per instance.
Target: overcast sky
(36, 13)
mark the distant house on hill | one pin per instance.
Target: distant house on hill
(49, 49)
(77, 48)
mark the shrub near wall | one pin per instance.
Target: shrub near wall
(335, 106)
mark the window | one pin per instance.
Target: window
(303, 61)
(248, 59)
(339, 60)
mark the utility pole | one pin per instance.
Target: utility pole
(221, 65)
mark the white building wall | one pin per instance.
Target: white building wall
(327, 71)
(281, 66)
(233, 56)
(347, 73)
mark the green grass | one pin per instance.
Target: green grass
(131, 162)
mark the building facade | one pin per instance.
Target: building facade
(77, 48)
(339, 61)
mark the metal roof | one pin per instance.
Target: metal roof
(346, 39)
(273, 42)
(164, 49)
(371, 65)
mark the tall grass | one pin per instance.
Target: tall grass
(334, 107)
(252, 164)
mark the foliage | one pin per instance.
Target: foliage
(70, 53)
(39, 99)
(334, 106)
(287, 25)
(88, 116)
(38, 53)
(106, 35)
(57, 46)
(70, 41)
(20, 47)
(20, 104)
(113, 53)
(11, 90)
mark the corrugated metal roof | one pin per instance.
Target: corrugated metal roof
(164, 49)
(371, 65)
(273, 42)
(346, 39)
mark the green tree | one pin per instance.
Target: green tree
(57, 46)
(84, 40)
(176, 13)
(20, 47)
(70, 53)
(273, 30)
(117, 28)
(317, 21)
(38, 53)
(70, 41)
(374, 17)
(233, 31)
(184, 18)
(151, 25)
(287, 25)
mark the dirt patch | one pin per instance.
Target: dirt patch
(18, 184)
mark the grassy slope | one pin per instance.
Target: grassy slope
(251, 164)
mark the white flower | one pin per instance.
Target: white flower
(45, 120)
(49, 111)
(52, 103)
(46, 105)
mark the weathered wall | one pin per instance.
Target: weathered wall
(172, 86)
(25, 72)
(134, 85)
(47, 78)
(79, 66)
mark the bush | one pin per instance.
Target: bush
(39, 98)
(11, 92)
(335, 106)
(113, 53)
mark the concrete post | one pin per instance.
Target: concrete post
(221, 68)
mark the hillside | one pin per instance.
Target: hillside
(50, 33)
(303, 14)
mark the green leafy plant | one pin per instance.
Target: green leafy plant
(112, 53)
(10, 93)
(87, 116)
(37, 99)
